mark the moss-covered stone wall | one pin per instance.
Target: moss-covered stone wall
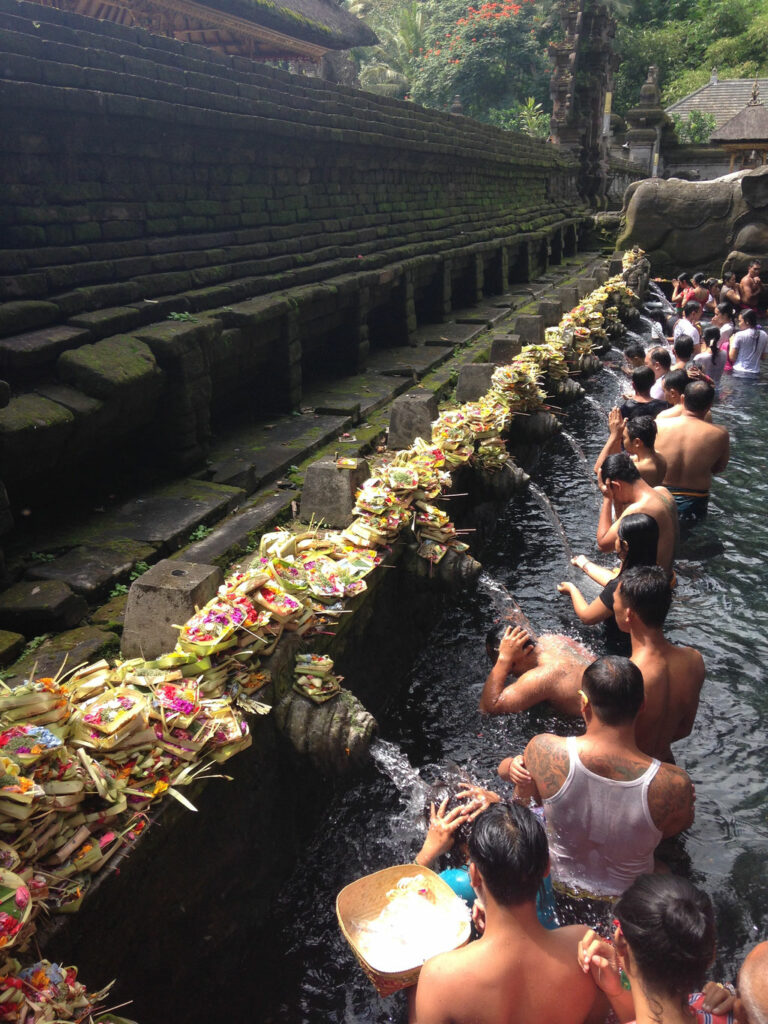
(300, 223)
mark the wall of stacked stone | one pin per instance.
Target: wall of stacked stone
(300, 223)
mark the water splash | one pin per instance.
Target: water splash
(498, 595)
(578, 451)
(596, 405)
(392, 762)
(551, 513)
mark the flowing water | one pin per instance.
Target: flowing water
(721, 607)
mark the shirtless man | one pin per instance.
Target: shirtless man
(694, 450)
(638, 437)
(603, 830)
(675, 383)
(623, 487)
(751, 286)
(518, 971)
(752, 1003)
(672, 676)
(548, 669)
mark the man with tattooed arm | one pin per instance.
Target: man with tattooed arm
(607, 804)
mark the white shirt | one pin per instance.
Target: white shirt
(750, 346)
(657, 389)
(684, 326)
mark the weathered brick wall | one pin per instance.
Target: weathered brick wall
(140, 176)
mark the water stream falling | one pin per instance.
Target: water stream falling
(720, 607)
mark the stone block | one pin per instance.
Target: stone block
(104, 322)
(504, 348)
(65, 651)
(411, 416)
(569, 295)
(33, 608)
(328, 494)
(11, 646)
(600, 274)
(92, 571)
(25, 354)
(160, 600)
(530, 328)
(474, 380)
(26, 316)
(551, 310)
(585, 286)
(615, 266)
(120, 371)
(33, 435)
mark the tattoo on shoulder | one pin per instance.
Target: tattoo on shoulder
(670, 794)
(547, 760)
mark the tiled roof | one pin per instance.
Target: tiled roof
(749, 125)
(724, 99)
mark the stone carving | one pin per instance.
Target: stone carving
(334, 736)
(711, 224)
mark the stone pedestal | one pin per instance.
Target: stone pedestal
(328, 494)
(474, 380)
(530, 329)
(550, 310)
(504, 348)
(411, 416)
(569, 295)
(586, 285)
(165, 596)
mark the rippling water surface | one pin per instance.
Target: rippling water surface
(721, 607)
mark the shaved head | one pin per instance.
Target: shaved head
(753, 984)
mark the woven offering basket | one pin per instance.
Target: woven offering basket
(364, 899)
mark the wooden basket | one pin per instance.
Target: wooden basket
(367, 897)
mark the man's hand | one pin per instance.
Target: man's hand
(566, 588)
(513, 770)
(718, 999)
(604, 488)
(477, 799)
(512, 644)
(442, 826)
(616, 422)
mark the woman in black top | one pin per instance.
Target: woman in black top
(636, 544)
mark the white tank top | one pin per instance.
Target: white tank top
(601, 833)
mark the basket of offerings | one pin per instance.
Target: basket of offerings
(396, 919)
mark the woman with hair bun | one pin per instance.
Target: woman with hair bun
(664, 943)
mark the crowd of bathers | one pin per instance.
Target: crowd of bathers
(584, 833)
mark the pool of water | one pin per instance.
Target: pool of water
(721, 607)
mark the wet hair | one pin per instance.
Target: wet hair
(615, 689)
(676, 380)
(634, 350)
(647, 592)
(683, 346)
(640, 533)
(508, 845)
(712, 282)
(442, 789)
(712, 338)
(496, 632)
(669, 926)
(728, 275)
(726, 309)
(620, 467)
(754, 263)
(643, 379)
(691, 307)
(684, 276)
(698, 396)
(697, 279)
(643, 428)
(662, 357)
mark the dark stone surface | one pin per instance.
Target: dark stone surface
(33, 608)
(530, 329)
(11, 646)
(551, 310)
(25, 354)
(92, 571)
(504, 348)
(65, 652)
(328, 493)
(238, 531)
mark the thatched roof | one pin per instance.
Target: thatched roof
(749, 125)
(317, 21)
(724, 99)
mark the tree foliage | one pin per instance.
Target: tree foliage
(696, 127)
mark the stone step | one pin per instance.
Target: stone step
(409, 360)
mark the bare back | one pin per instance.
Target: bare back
(651, 467)
(563, 660)
(510, 978)
(659, 504)
(693, 450)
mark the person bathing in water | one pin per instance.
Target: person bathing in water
(548, 668)
(638, 438)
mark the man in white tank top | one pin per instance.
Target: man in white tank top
(607, 804)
